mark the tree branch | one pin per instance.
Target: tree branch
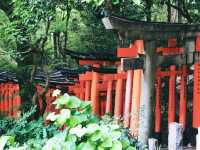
(183, 11)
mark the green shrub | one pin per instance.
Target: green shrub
(79, 129)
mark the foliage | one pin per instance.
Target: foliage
(157, 10)
(24, 130)
(79, 130)
(36, 33)
(84, 131)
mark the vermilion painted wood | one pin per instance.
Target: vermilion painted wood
(127, 52)
(1, 98)
(6, 100)
(103, 106)
(48, 102)
(172, 95)
(169, 73)
(82, 91)
(10, 100)
(128, 95)
(140, 46)
(172, 42)
(196, 89)
(198, 44)
(136, 48)
(109, 106)
(86, 76)
(87, 90)
(118, 99)
(196, 96)
(183, 93)
(158, 104)
(16, 100)
(95, 93)
(39, 90)
(171, 49)
(135, 107)
(93, 62)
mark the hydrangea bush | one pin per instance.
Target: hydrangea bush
(79, 129)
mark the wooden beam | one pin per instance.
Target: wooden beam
(109, 104)
(132, 63)
(183, 97)
(95, 93)
(135, 101)
(158, 104)
(128, 95)
(172, 96)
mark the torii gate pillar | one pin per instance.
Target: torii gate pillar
(147, 88)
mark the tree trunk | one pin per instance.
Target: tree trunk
(148, 5)
(27, 87)
(179, 5)
(168, 11)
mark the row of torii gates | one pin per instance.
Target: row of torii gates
(126, 85)
(120, 93)
(129, 94)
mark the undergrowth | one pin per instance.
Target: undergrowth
(74, 127)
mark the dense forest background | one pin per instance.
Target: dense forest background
(34, 34)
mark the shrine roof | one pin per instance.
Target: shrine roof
(91, 55)
(135, 29)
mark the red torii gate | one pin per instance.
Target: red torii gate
(133, 85)
(172, 73)
(10, 99)
(196, 93)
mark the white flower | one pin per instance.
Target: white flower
(52, 116)
(78, 131)
(56, 93)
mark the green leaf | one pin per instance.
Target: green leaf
(78, 131)
(125, 143)
(91, 128)
(131, 148)
(19, 148)
(85, 104)
(62, 117)
(86, 146)
(115, 2)
(100, 148)
(73, 102)
(72, 138)
(116, 145)
(115, 135)
(107, 142)
(3, 18)
(71, 122)
(68, 145)
(81, 118)
(6, 140)
(96, 136)
(100, 2)
(61, 101)
(76, 119)
(52, 116)
(114, 126)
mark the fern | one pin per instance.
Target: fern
(26, 130)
